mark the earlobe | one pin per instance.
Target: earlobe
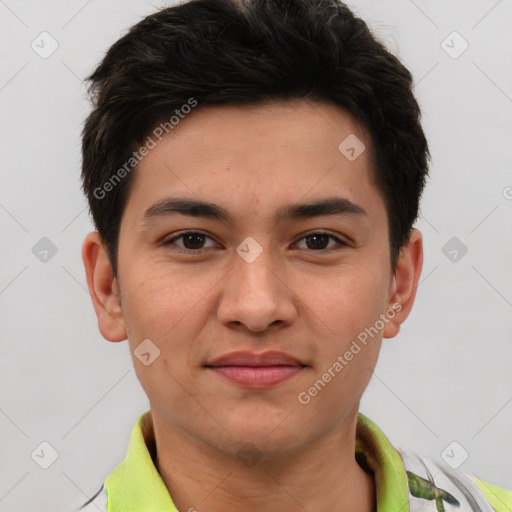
(405, 283)
(103, 288)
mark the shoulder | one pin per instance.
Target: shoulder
(430, 479)
(499, 498)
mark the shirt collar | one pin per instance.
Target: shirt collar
(385, 462)
(136, 485)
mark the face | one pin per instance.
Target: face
(308, 285)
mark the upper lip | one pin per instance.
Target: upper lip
(246, 358)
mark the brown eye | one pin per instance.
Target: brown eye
(319, 241)
(192, 241)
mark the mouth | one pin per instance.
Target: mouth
(256, 371)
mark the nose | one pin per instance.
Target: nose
(256, 296)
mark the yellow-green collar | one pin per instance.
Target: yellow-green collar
(386, 464)
(136, 485)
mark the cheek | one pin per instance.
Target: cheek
(170, 312)
(351, 302)
(157, 301)
(349, 354)
(163, 309)
(350, 305)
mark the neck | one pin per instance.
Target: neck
(324, 476)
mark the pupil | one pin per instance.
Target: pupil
(193, 237)
(316, 238)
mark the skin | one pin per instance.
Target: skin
(309, 302)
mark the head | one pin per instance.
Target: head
(247, 111)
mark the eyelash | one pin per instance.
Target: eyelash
(170, 241)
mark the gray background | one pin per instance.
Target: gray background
(446, 377)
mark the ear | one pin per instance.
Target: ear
(103, 288)
(405, 283)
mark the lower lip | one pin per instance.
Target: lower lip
(257, 377)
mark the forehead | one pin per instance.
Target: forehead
(263, 155)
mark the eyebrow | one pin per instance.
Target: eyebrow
(195, 208)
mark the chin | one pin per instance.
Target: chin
(268, 436)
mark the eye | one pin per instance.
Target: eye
(319, 239)
(193, 241)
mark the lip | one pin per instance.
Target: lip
(256, 370)
(246, 358)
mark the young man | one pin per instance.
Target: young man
(254, 171)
